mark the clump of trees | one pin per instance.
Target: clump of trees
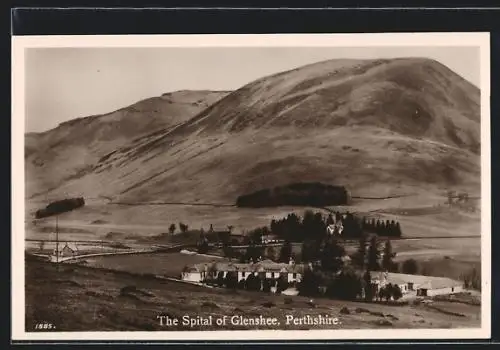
(390, 291)
(59, 207)
(300, 194)
(312, 226)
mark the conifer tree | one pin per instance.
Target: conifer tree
(359, 257)
(387, 262)
(373, 255)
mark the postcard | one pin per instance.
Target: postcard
(251, 187)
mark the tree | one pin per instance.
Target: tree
(347, 286)
(285, 252)
(373, 255)
(220, 279)
(183, 227)
(386, 292)
(331, 256)
(271, 253)
(203, 246)
(359, 257)
(310, 251)
(171, 229)
(253, 253)
(410, 266)
(329, 220)
(231, 280)
(41, 245)
(397, 230)
(472, 279)
(396, 292)
(387, 262)
(230, 228)
(266, 285)
(282, 283)
(227, 250)
(253, 283)
(309, 285)
(369, 291)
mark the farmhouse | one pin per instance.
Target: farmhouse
(265, 269)
(417, 285)
(69, 249)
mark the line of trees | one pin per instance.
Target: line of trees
(313, 226)
(381, 228)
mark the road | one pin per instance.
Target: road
(156, 249)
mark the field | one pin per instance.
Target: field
(164, 264)
(78, 298)
(421, 216)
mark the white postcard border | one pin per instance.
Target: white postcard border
(20, 43)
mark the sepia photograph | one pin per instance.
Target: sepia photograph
(251, 187)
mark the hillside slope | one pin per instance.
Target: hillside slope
(71, 149)
(379, 127)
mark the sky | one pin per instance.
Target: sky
(68, 83)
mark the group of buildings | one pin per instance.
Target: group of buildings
(410, 285)
(265, 268)
(417, 285)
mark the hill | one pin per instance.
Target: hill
(69, 150)
(378, 127)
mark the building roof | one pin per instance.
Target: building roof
(440, 283)
(420, 281)
(261, 266)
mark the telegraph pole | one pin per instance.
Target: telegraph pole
(57, 242)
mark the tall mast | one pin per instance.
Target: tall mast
(57, 241)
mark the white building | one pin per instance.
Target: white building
(266, 268)
(195, 273)
(417, 285)
(439, 287)
(64, 251)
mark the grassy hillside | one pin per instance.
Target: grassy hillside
(382, 128)
(70, 150)
(85, 299)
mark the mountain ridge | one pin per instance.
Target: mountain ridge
(377, 126)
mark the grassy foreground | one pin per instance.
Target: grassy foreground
(78, 298)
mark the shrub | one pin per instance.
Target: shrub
(268, 304)
(128, 289)
(231, 280)
(410, 266)
(345, 311)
